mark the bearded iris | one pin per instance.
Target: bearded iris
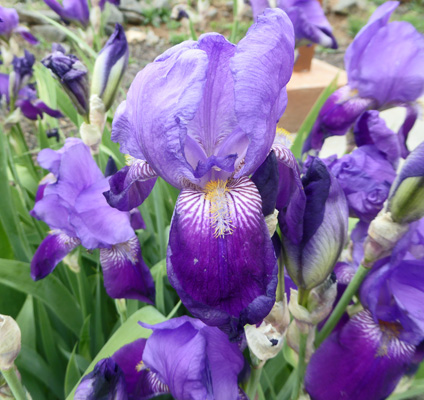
(203, 117)
(384, 69)
(70, 201)
(308, 18)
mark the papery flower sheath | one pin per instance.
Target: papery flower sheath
(308, 18)
(73, 206)
(9, 24)
(183, 357)
(384, 69)
(203, 117)
(71, 10)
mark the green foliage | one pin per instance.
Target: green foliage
(355, 24)
(156, 16)
(177, 38)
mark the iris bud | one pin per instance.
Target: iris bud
(72, 75)
(314, 227)
(110, 67)
(10, 341)
(406, 196)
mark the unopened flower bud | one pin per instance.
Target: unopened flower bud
(72, 75)
(383, 234)
(10, 341)
(406, 196)
(110, 67)
(266, 340)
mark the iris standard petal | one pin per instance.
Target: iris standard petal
(51, 251)
(378, 19)
(261, 68)
(165, 96)
(178, 357)
(222, 276)
(390, 67)
(363, 360)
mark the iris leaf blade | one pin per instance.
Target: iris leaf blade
(49, 290)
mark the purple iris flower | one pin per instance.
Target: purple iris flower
(9, 24)
(203, 117)
(22, 71)
(365, 177)
(384, 68)
(71, 10)
(27, 100)
(103, 2)
(183, 357)
(308, 18)
(363, 360)
(77, 213)
(72, 75)
(314, 220)
(406, 196)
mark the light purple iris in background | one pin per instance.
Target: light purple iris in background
(183, 357)
(72, 204)
(384, 68)
(308, 18)
(9, 24)
(27, 100)
(71, 10)
(203, 117)
(75, 10)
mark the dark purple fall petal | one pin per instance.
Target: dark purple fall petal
(51, 251)
(130, 186)
(337, 115)
(106, 382)
(266, 180)
(221, 275)
(125, 273)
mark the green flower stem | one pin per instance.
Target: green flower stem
(14, 383)
(337, 313)
(235, 22)
(280, 286)
(301, 366)
(252, 385)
